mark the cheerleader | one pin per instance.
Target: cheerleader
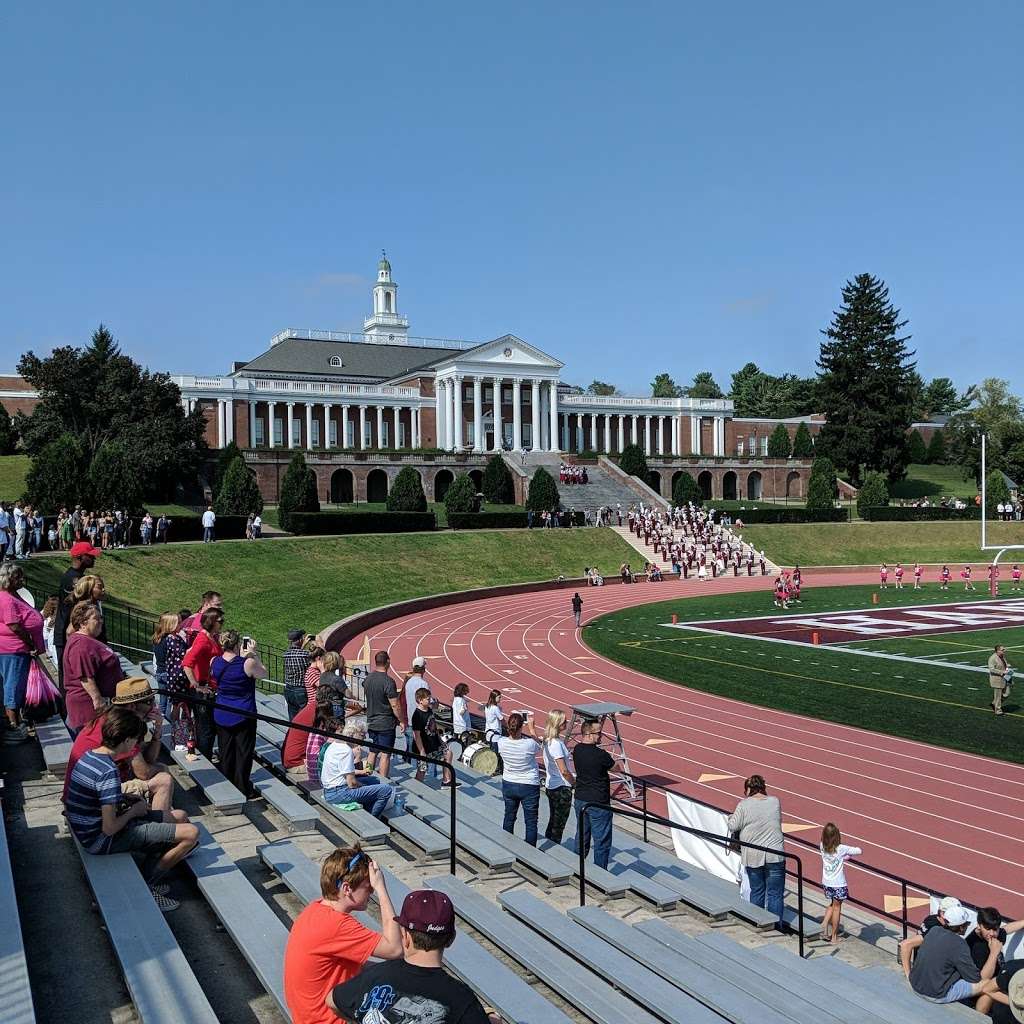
(917, 575)
(944, 578)
(965, 575)
(1015, 576)
(883, 576)
(778, 592)
(899, 576)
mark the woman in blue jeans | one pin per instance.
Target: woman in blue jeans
(343, 783)
(520, 776)
(758, 819)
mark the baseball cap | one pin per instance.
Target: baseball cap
(947, 903)
(83, 547)
(419, 661)
(956, 916)
(296, 634)
(429, 912)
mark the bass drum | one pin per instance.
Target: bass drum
(481, 758)
(455, 746)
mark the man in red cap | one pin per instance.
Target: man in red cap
(416, 987)
(83, 558)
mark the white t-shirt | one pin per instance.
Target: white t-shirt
(520, 760)
(339, 763)
(415, 683)
(554, 749)
(209, 518)
(460, 715)
(257, 522)
(833, 871)
(493, 717)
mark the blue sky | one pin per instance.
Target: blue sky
(632, 187)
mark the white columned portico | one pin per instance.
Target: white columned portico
(326, 442)
(449, 415)
(517, 413)
(362, 427)
(719, 435)
(291, 424)
(647, 436)
(535, 413)
(499, 429)
(459, 435)
(553, 414)
(591, 444)
(478, 414)
(577, 439)
(675, 435)
(414, 426)
(622, 432)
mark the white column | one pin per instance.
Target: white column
(695, 435)
(221, 441)
(270, 425)
(553, 414)
(395, 412)
(498, 427)
(635, 434)
(328, 406)
(343, 428)
(478, 414)
(309, 424)
(449, 417)
(608, 433)
(252, 424)
(291, 421)
(720, 420)
(622, 432)
(460, 439)
(674, 421)
(439, 413)
(517, 413)
(362, 426)
(578, 440)
(647, 437)
(535, 412)
(414, 426)
(661, 435)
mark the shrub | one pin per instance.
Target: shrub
(487, 520)
(916, 450)
(461, 496)
(543, 494)
(803, 443)
(779, 446)
(937, 449)
(239, 493)
(995, 491)
(497, 485)
(319, 523)
(821, 488)
(873, 493)
(634, 462)
(772, 514)
(685, 490)
(909, 513)
(298, 491)
(406, 494)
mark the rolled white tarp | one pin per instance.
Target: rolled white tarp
(701, 853)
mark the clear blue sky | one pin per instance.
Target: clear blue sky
(632, 187)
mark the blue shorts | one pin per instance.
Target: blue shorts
(14, 674)
(958, 991)
(837, 894)
(385, 739)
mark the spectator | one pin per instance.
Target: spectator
(327, 946)
(758, 819)
(333, 675)
(311, 678)
(182, 727)
(559, 779)
(460, 711)
(83, 558)
(90, 587)
(235, 672)
(296, 741)
(340, 776)
(140, 770)
(193, 623)
(257, 526)
(163, 529)
(833, 878)
(520, 777)
(493, 718)
(416, 680)
(426, 736)
(21, 640)
(196, 666)
(593, 786)
(296, 661)
(146, 529)
(383, 710)
(384, 992)
(990, 934)
(91, 669)
(105, 821)
(166, 627)
(999, 674)
(49, 614)
(1004, 995)
(943, 970)
(315, 741)
(209, 522)
(577, 607)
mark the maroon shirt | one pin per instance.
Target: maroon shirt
(87, 658)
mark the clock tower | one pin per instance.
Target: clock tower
(386, 325)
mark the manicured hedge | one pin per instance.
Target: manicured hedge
(784, 514)
(906, 513)
(361, 522)
(487, 520)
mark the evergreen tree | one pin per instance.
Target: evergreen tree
(8, 435)
(113, 478)
(937, 449)
(634, 462)
(940, 398)
(461, 496)
(239, 492)
(225, 457)
(685, 490)
(916, 450)
(873, 493)
(497, 485)
(778, 443)
(599, 387)
(704, 385)
(821, 488)
(867, 382)
(406, 494)
(57, 476)
(663, 386)
(996, 491)
(803, 443)
(298, 491)
(543, 493)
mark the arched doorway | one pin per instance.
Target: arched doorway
(442, 482)
(754, 487)
(477, 476)
(341, 487)
(793, 486)
(377, 485)
(729, 492)
(654, 480)
(704, 483)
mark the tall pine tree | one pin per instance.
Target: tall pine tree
(866, 382)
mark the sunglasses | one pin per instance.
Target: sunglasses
(350, 867)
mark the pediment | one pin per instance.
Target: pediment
(507, 350)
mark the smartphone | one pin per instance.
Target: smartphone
(247, 641)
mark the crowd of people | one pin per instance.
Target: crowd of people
(569, 473)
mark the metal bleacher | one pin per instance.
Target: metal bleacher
(15, 990)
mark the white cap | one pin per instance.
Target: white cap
(956, 916)
(419, 661)
(947, 903)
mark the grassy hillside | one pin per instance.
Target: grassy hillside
(13, 469)
(934, 481)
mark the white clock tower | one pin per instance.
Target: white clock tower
(386, 324)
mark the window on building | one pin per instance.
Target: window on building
(335, 360)
(752, 445)
(332, 434)
(764, 447)
(387, 302)
(385, 434)
(260, 437)
(315, 440)
(528, 435)
(402, 439)
(297, 432)
(278, 432)
(527, 394)
(506, 395)
(488, 393)
(368, 434)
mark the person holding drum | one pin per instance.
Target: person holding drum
(493, 717)
(460, 712)
(520, 776)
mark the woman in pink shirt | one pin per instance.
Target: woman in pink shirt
(21, 639)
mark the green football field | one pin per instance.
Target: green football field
(927, 688)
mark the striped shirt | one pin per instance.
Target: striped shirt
(94, 783)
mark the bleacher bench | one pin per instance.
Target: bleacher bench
(370, 831)
(56, 743)
(223, 796)
(15, 990)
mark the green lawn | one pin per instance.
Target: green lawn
(277, 585)
(13, 469)
(862, 543)
(923, 481)
(931, 703)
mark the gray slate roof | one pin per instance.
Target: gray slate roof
(365, 360)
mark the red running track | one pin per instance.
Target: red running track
(948, 820)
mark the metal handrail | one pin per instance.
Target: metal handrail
(725, 841)
(283, 723)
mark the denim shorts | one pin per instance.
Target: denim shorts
(385, 739)
(958, 991)
(143, 834)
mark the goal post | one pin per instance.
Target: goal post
(999, 549)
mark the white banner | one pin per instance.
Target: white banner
(703, 854)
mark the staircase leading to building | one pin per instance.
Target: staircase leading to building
(602, 490)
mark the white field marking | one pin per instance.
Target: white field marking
(520, 657)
